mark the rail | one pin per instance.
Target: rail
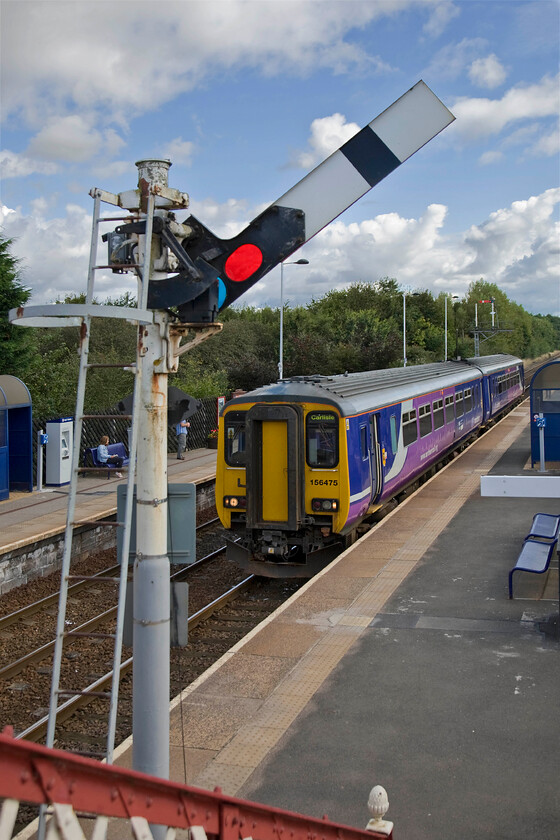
(111, 571)
(73, 785)
(38, 729)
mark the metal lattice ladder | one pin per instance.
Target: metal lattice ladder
(81, 316)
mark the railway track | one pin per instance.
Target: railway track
(213, 629)
(38, 730)
(27, 634)
(88, 654)
(87, 628)
(27, 612)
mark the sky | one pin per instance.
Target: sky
(246, 96)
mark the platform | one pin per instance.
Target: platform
(403, 664)
(26, 518)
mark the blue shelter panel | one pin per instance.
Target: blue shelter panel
(4, 485)
(16, 436)
(545, 400)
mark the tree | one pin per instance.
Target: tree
(17, 345)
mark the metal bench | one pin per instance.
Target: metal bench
(546, 526)
(113, 449)
(535, 556)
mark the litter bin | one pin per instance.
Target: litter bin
(60, 435)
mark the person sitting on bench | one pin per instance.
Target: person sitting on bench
(104, 457)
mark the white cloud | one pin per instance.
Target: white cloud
(60, 56)
(179, 151)
(487, 72)
(69, 138)
(450, 61)
(440, 16)
(327, 135)
(548, 145)
(54, 253)
(480, 118)
(14, 165)
(491, 157)
(516, 248)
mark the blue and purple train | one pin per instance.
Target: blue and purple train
(303, 462)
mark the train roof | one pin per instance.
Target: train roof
(356, 392)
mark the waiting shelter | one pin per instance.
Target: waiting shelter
(545, 401)
(16, 436)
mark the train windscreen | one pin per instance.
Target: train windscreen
(322, 439)
(234, 424)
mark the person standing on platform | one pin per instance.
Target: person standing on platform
(182, 430)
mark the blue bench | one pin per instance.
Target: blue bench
(113, 449)
(538, 547)
(545, 527)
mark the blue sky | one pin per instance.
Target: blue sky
(245, 97)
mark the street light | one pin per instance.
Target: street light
(453, 297)
(281, 355)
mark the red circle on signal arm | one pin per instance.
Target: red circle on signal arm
(243, 262)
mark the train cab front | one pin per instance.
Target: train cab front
(277, 487)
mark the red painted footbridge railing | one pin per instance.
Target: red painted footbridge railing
(73, 787)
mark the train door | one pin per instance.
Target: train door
(485, 398)
(376, 471)
(274, 467)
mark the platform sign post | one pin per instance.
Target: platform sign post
(540, 420)
(42, 440)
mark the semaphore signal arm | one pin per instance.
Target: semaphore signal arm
(210, 273)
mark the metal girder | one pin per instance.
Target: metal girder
(33, 773)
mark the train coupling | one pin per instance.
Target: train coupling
(274, 543)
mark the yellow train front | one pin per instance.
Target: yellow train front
(279, 487)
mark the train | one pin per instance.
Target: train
(304, 462)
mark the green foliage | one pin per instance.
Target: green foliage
(198, 381)
(17, 345)
(358, 328)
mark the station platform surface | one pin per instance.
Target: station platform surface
(26, 518)
(404, 664)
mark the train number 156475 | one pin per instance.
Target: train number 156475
(326, 482)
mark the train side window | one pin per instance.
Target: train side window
(438, 414)
(468, 400)
(410, 428)
(363, 442)
(321, 439)
(425, 419)
(459, 404)
(234, 430)
(449, 414)
(394, 436)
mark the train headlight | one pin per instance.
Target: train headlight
(326, 505)
(235, 501)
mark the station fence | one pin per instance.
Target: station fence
(116, 427)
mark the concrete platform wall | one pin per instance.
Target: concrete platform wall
(44, 556)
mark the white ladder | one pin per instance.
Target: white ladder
(82, 316)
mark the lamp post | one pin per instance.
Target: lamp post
(281, 354)
(406, 291)
(453, 297)
(404, 327)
